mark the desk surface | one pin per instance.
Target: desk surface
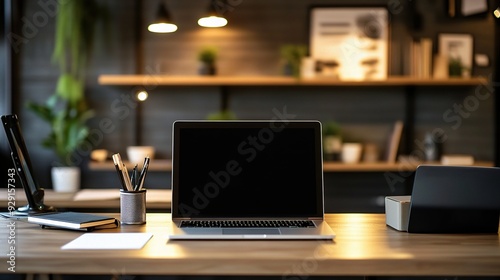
(364, 246)
(91, 199)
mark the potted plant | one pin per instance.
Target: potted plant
(456, 68)
(332, 141)
(292, 56)
(207, 57)
(66, 110)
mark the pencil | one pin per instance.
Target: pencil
(124, 173)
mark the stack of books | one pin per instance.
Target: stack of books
(421, 58)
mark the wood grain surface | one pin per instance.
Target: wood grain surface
(364, 246)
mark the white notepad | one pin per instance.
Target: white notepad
(108, 241)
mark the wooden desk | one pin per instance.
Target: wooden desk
(364, 246)
(91, 199)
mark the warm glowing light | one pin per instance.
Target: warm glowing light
(163, 22)
(497, 12)
(212, 21)
(142, 95)
(162, 27)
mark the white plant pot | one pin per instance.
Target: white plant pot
(351, 152)
(66, 178)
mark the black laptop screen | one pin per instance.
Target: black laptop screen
(247, 170)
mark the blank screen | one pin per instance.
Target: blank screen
(230, 169)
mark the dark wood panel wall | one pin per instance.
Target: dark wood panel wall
(250, 45)
(496, 84)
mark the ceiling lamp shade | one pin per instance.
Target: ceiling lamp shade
(212, 19)
(162, 23)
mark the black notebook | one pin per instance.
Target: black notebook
(71, 220)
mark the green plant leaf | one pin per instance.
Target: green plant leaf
(292, 55)
(42, 111)
(331, 128)
(208, 55)
(70, 89)
(66, 110)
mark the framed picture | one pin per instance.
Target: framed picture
(467, 8)
(457, 50)
(350, 43)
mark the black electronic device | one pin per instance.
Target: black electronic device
(24, 169)
(251, 179)
(455, 199)
(36, 211)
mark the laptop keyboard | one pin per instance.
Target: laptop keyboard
(243, 224)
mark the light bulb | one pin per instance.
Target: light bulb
(212, 21)
(497, 12)
(162, 27)
(142, 95)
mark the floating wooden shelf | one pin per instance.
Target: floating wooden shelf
(224, 81)
(155, 165)
(166, 165)
(166, 80)
(382, 166)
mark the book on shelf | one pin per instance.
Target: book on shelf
(457, 160)
(393, 143)
(421, 58)
(72, 220)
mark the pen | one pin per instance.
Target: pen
(133, 177)
(144, 171)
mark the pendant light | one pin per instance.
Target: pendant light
(212, 19)
(162, 23)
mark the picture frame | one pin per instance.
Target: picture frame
(350, 43)
(467, 8)
(457, 50)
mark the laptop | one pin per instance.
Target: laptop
(248, 180)
(455, 199)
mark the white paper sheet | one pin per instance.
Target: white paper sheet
(108, 241)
